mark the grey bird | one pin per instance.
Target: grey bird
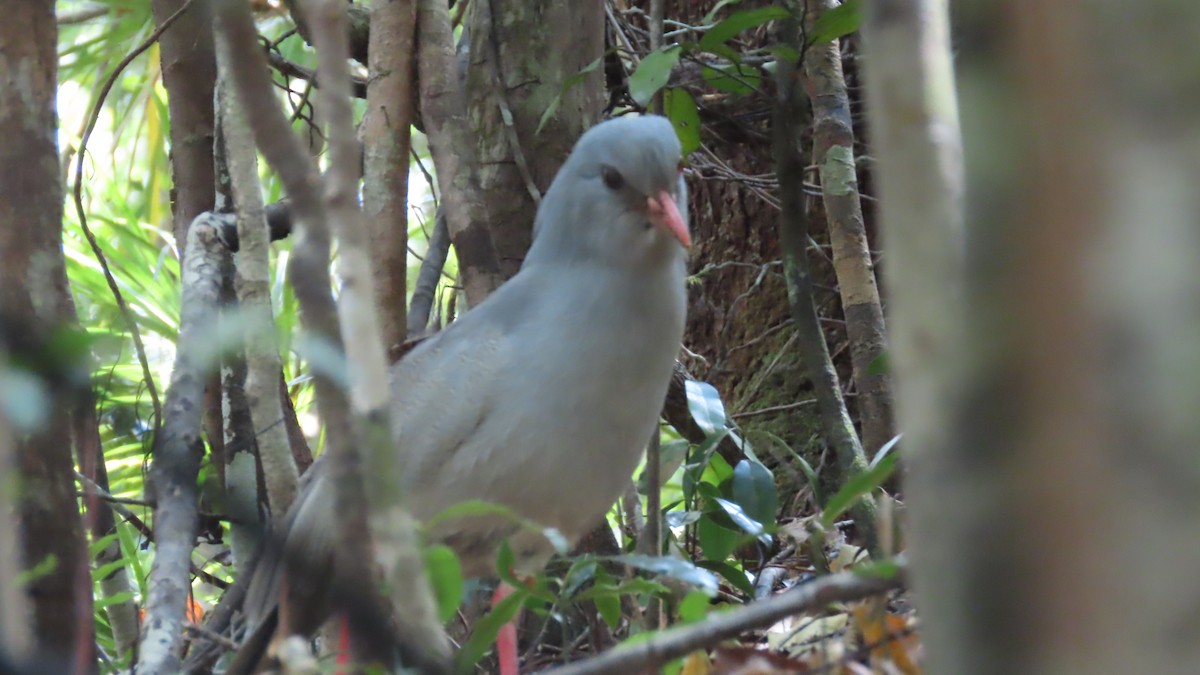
(543, 397)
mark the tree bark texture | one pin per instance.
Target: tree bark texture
(35, 302)
(386, 141)
(833, 153)
(178, 449)
(836, 425)
(443, 107)
(190, 74)
(512, 80)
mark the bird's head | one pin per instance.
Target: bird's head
(620, 196)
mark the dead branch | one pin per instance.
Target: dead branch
(670, 644)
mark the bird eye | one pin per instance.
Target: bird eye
(612, 178)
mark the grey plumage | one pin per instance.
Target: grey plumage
(542, 398)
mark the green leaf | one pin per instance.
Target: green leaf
(682, 518)
(609, 607)
(712, 13)
(46, 566)
(106, 570)
(886, 450)
(505, 561)
(635, 586)
(653, 73)
(571, 81)
(704, 402)
(855, 488)
(717, 472)
(472, 508)
(880, 365)
(582, 571)
(116, 599)
(738, 22)
(100, 544)
(837, 22)
(742, 520)
(754, 490)
(693, 607)
(735, 79)
(884, 569)
(486, 630)
(445, 575)
(716, 540)
(680, 108)
(673, 567)
(736, 577)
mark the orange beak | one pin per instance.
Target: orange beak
(662, 211)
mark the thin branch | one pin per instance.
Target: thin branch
(178, 449)
(392, 530)
(428, 276)
(833, 152)
(251, 279)
(652, 653)
(835, 420)
(773, 409)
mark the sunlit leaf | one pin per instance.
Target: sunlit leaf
(716, 540)
(43, 568)
(704, 402)
(742, 520)
(673, 567)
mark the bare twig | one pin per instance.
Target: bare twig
(773, 409)
(429, 275)
(118, 297)
(649, 654)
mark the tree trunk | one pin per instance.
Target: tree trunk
(34, 305)
(833, 153)
(511, 83)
